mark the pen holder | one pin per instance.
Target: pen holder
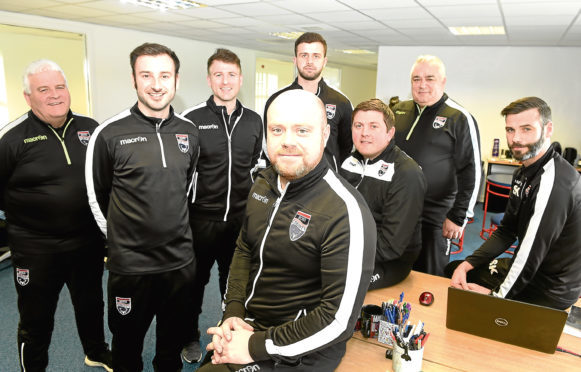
(384, 335)
(402, 364)
(370, 317)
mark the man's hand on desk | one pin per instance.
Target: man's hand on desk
(459, 276)
(478, 288)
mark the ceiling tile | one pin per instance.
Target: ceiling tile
(545, 9)
(374, 4)
(538, 20)
(460, 11)
(398, 14)
(74, 11)
(333, 17)
(311, 6)
(285, 19)
(255, 9)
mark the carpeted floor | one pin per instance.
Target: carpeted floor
(66, 354)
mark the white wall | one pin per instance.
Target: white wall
(486, 79)
(108, 49)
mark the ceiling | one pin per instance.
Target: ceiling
(345, 24)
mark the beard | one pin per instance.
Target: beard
(313, 76)
(293, 174)
(533, 148)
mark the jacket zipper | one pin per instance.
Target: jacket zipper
(274, 210)
(362, 173)
(62, 140)
(157, 126)
(421, 110)
(229, 137)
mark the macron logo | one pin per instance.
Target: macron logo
(128, 141)
(209, 126)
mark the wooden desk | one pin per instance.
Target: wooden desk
(446, 349)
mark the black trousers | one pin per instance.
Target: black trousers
(39, 280)
(325, 360)
(435, 254)
(133, 302)
(386, 274)
(214, 241)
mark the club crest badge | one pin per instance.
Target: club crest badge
(383, 169)
(84, 136)
(331, 109)
(439, 122)
(299, 225)
(123, 305)
(22, 276)
(183, 142)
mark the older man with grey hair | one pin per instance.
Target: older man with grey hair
(51, 232)
(442, 137)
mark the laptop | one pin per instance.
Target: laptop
(518, 323)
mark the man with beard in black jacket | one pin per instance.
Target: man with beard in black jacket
(304, 257)
(543, 212)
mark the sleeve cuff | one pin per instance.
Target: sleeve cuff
(234, 309)
(257, 346)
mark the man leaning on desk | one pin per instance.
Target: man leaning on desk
(543, 212)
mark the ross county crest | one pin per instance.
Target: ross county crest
(123, 305)
(331, 109)
(439, 122)
(183, 142)
(84, 136)
(299, 225)
(22, 276)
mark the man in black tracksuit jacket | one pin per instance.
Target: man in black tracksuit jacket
(139, 172)
(393, 186)
(310, 59)
(442, 137)
(543, 212)
(304, 256)
(51, 233)
(230, 145)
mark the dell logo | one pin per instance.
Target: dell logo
(501, 322)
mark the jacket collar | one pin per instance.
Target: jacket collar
(532, 169)
(151, 120)
(37, 119)
(357, 155)
(433, 107)
(322, 86)
(218, 109)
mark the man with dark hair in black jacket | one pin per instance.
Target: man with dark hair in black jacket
(442, 137)
(230, 145)
(310, 59)
(52, 235)
(393, 185)
(543, 212)
(304, 257)
(139, 173)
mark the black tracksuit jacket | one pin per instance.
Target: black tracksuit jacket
(339, 111)
(544, 213)
(302, 264)
(445, 142)
(139, 172)
(230, 146)
(42, 184)
(393, 186)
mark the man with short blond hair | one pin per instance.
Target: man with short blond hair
(51, 233)
(393, 186)
(442, 137)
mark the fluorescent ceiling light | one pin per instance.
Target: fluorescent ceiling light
(287, 35)
(355, 51)
(166, 4)
(477, 30)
